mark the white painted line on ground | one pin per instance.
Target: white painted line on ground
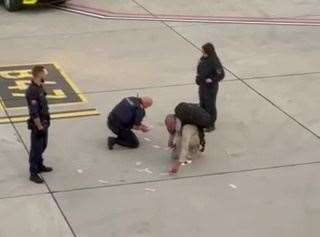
(80, 171)
(156, 146)
(146, 170)
(150, 189)
(233, 186)
(103, 181)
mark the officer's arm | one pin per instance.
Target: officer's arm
(139, 117)
(219, 75)
(218, 70)
(34, 111)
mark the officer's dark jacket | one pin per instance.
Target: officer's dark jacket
(209, 67)
(37, 102)
(128, 113)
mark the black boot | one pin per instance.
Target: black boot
(45, 169)
(111, 142)
(36, 178)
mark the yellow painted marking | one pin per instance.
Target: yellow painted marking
(64, 75)
(21, 95)
(2, 107)
(70, 82)
(20, 85)
(16, 74)
(57, 95)
(75, 114)
(53, 116)
(50, 106)
(29, 2)
(24, 84)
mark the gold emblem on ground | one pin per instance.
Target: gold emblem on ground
(65, 99)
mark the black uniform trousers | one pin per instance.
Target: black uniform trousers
(38, 146)
(208, 98)
(125, 137)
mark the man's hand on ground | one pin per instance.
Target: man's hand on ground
(174, 170)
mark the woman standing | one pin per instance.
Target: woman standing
(209, 73)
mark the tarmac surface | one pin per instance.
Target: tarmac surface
(260, 173)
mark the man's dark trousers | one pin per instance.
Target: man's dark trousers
(39, 144)
(125, 137)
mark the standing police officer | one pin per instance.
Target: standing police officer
(209, 73)
(125, 116)
(38, 123)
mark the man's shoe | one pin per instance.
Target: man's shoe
(45, 169)
(111, 142)
(210, 129)
(36, 179)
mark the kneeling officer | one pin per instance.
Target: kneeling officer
(125, 116)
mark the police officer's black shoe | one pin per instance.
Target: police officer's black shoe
(36, 178)
(45, 169)
(111, 142)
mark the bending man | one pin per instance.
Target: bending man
(185, 140)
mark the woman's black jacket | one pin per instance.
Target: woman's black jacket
(209, 68)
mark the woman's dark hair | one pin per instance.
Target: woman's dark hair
(208, 48)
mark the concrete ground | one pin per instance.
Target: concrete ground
(260, 173)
